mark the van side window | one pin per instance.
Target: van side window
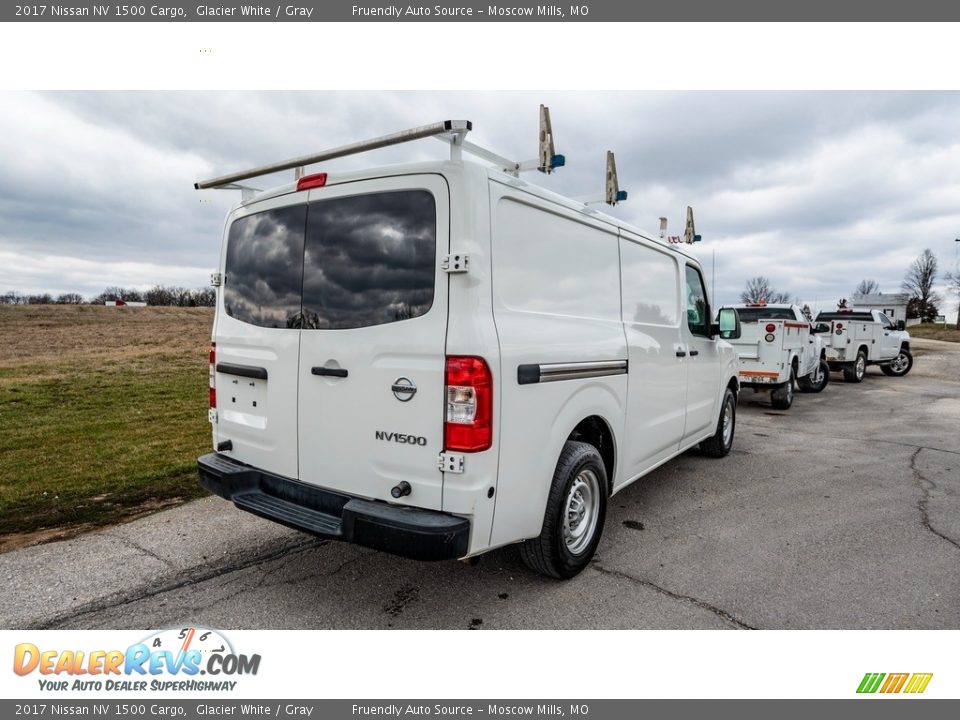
(649, 282)
(370, 259)
(698, 319)
(264, 267)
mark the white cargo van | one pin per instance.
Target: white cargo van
(440, 359)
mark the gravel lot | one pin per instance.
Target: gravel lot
(843, 512)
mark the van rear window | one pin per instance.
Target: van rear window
(370, 259)
(335, 264)
(264, 268)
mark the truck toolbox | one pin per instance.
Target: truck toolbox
(406, 531)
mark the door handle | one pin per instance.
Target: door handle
(694, 353)
(681, 353)
(329, 372)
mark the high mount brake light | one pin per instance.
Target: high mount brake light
(311, 181)
(468, 425)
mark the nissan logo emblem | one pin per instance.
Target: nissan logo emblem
(404, 389)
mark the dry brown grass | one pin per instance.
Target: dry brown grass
(935, 332)
(39, 332)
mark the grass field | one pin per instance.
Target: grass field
(103, 412)
(935, 332)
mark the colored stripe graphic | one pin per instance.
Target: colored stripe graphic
(894, 682)
(870, 682)
(918, 683)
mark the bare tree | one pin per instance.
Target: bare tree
(867, 286)
(69, 299)
(759, 289)
(918, 284)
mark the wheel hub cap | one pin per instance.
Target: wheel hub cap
(581, 512)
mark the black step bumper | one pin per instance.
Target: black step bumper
(409, 532)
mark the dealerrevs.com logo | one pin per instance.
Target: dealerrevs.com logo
(171, 660)
(891, 683)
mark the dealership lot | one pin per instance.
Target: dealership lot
(842, 512)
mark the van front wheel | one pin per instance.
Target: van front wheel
(573, 521)
(719, 444)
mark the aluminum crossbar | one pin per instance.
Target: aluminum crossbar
(456, 128)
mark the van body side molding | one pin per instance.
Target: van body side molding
(250, 371)
(551, 372)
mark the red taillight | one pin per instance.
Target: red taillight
(213, 375)
(468, 425)
(839, 326)
(311, 181)
(771, 327)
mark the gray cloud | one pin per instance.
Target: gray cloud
(814, 190)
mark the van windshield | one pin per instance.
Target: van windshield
(341, 263)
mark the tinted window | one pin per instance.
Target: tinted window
(861, 316)
(649, 282)
(264, 267)
(370, 259)
(752, 315)
(698, 319)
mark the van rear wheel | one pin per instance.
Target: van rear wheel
(573, 521)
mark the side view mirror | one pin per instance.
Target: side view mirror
(727, 325)
(901, 325)
(820, 328)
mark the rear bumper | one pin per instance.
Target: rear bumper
(406, 531)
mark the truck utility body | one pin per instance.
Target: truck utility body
(854, 339)
(438, 359)
(777, 348)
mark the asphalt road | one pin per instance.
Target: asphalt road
(842, 512)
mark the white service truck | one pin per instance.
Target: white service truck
(857, 338)
(438, 359)
(779, 350)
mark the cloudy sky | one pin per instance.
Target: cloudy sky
(814, 190)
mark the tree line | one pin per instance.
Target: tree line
(159, 295)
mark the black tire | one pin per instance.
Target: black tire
(899, 366)
(854, 372)
(558, 552)
(781, 397)
(719, 444)
(817, 380)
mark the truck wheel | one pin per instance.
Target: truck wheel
(854, 372)
(722, 440)
(899, 366)
(573, 521)
(781, 397)
(817, 380)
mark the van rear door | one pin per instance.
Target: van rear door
(257, 335)
(373, 341)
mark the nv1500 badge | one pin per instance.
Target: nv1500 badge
(401, 438)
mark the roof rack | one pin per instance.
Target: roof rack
(456, 129)
(452, 132)
(689, 233)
